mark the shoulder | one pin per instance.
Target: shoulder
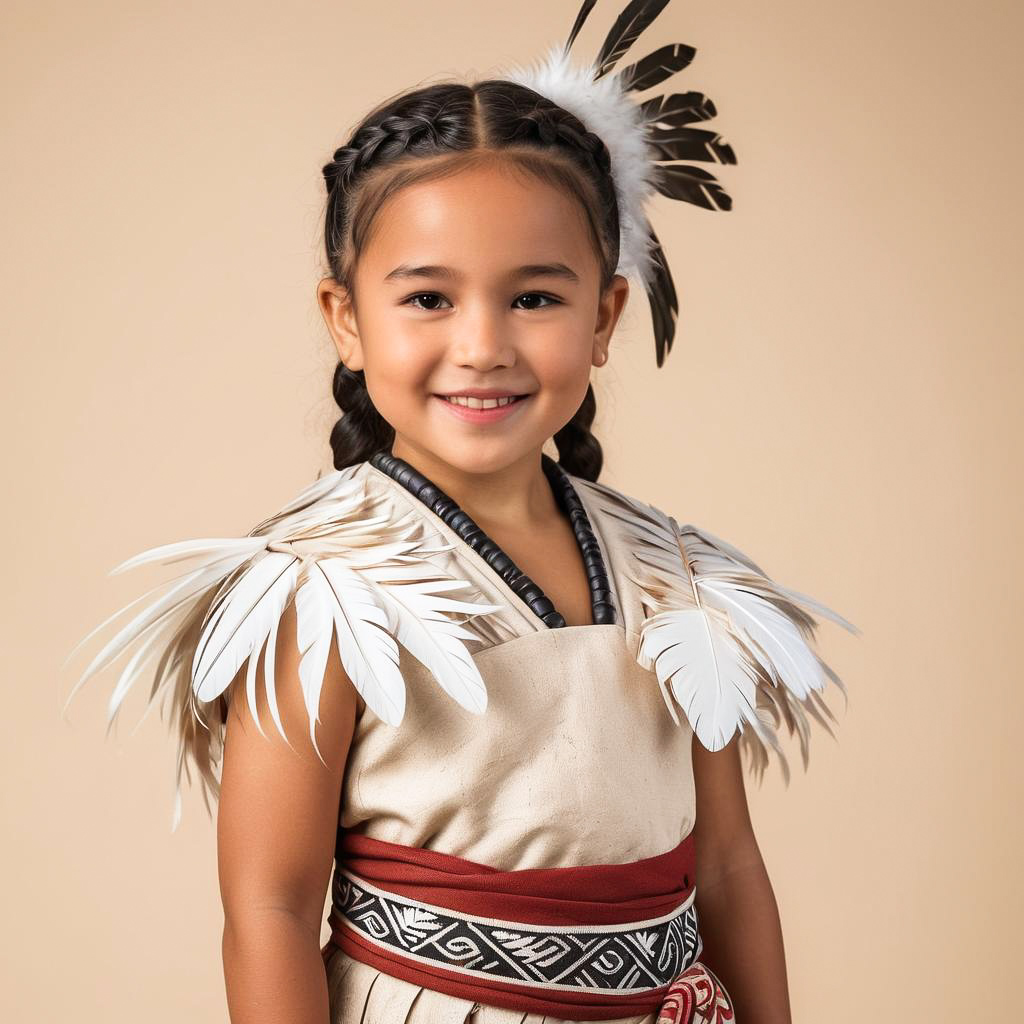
(687, 549)
(351, 564)
(732, 647)
(352, 567)
(653, 535)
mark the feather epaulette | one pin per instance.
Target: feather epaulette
(728, 645)
(360, 579)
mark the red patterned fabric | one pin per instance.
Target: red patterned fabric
(696, 997)
(588, 896)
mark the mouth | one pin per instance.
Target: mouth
(481, 410)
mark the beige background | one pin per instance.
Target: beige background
(844, 402)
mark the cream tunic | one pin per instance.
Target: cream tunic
(575, 761)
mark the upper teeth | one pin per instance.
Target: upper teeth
(479, 403)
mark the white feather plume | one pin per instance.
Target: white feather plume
(606, 109)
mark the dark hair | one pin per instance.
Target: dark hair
(437, 131)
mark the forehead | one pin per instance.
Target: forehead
(483, 216)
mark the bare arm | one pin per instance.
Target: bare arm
(736, 909)
(276, 832)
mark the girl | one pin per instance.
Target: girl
(452, 669)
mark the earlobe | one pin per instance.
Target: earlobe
(338, 311)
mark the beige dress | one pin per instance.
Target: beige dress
(575, 761)
(582, 754)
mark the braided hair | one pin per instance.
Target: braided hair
(436, 131)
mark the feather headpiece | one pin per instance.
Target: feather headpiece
(646, 141)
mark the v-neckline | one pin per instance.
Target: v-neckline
(450, 516)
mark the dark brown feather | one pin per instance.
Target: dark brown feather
(588, 6)
(678, 108)
(693, 185)
(656, 67)
(661, 294)
(637, 15)
(690, 144)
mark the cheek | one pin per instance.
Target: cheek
(401, 358)
(397, 354)
(397, 377)
(560, 360)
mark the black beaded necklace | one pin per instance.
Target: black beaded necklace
(446, 508)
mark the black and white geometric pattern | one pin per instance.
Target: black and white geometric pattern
(629, 958)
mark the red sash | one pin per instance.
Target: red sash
(595, 942)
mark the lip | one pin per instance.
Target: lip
(483, 416)
(479, 393)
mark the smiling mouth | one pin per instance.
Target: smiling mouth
(468, 402)
(481, 412)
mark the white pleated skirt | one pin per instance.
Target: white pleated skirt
(360, 994)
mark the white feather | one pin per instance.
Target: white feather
(242, 621)
(270, 675)
(417, 619)
(773, 637)
(182, 593)
(338, 599)
(146, 650)
(707, 671)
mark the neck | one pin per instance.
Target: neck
(515, 496)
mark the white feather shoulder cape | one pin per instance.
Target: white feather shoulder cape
(729, 646)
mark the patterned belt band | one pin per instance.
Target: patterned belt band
(596, 942)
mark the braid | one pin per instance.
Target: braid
(448, 119)
(432, 121)
(394, 136)
(361, 430)
(555, 126)
(579, 451)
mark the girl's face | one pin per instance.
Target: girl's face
(485, 280)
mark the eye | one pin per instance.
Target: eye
(430, 301)
(430, 296)
(549, 300)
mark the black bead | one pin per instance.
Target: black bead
(446, 509)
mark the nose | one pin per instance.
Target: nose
(481, 337)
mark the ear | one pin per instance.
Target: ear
(609, 309)
(338, 309)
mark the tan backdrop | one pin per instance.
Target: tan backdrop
(843, 402)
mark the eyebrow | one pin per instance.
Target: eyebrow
(558, 270)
